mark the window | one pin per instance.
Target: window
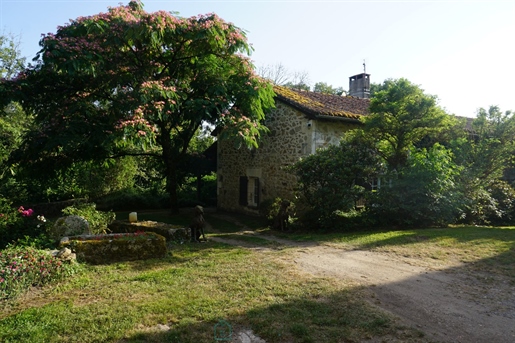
(249, 191)
(378, 182)
(375, 184)
(253, 191)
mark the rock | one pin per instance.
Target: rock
(64, 254)
(162, 327)
(70, 226)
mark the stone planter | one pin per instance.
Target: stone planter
(171, 233)
(100, 249)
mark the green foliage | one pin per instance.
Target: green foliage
(484, 154)
(270, 209)
(41, 241)
(300, 86)
(423, 193)
(128, 82)
(23, 267)
(11, 61)
(504, 211)
(198, 191)
(81, 179)
(333, 179)
(322, 87)
(134, 198)
(402, 115)
(98, 220)
(14, 122)
(16, 224)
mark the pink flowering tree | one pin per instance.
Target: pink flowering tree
(128, 82)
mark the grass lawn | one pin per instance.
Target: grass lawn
(198, 285)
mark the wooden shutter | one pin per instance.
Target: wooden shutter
(243, 190)
(258, 191)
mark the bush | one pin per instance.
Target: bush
(19, 223)
(189, 195)
(270, 209)
(24, 267)
(131, 199)
(331, 180)
(423, 193)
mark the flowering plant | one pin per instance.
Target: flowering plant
(18, 223)
(21, 268)
(24, 212)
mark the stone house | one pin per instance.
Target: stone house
(301, 123)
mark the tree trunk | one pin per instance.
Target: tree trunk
(170, 169)
(199, 187)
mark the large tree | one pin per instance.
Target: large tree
(401, 116)
(485, 150)
(322, 87)
(109, 83)
(13, 121)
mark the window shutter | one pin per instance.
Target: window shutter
(258, 191)
(243, 190)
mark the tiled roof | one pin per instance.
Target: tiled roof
(323, 105)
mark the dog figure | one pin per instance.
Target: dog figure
(281, 220)
(197, 224)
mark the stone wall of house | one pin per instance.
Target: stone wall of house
(292, 136)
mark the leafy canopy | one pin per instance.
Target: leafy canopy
(128, 81)
(402, 115)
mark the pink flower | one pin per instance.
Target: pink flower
(24, 212)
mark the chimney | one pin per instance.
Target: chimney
(359, 85)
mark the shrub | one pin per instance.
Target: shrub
(131, 198)
(331, 180)
(24, 267)
(423, 193)
(270, 209)
(19, 223)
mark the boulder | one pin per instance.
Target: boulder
(70, 226)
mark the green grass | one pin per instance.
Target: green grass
(191, 291)
(197, 285)
(250, 239)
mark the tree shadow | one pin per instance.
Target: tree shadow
(299, 319)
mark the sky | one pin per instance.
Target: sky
(460, 51)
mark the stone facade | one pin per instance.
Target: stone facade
(247, 178)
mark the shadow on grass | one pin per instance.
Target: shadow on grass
(336, 317)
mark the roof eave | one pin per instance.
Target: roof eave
(336, 118)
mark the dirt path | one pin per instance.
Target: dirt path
(448, 305)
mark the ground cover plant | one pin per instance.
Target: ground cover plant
(25, 267)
